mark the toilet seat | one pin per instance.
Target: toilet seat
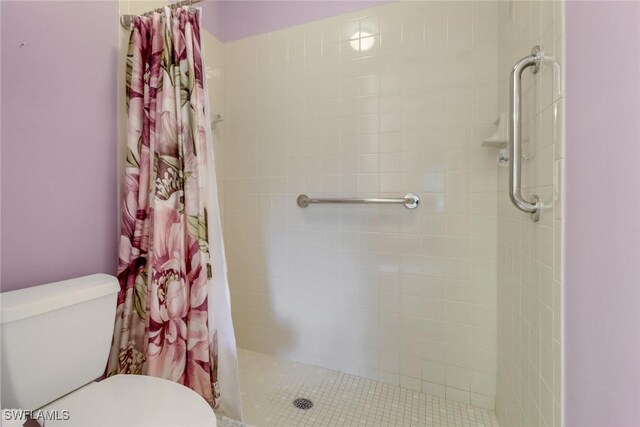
(133, 401)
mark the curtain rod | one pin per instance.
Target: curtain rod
(127, 20)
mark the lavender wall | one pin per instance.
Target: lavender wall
(247, 18)
(58, 166)
(213, 18)
(602, 296)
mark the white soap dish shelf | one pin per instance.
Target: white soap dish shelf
(500, 137)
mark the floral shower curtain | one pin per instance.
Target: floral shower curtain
(165, 325)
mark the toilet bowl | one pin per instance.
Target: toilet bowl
(55, 343)
(133, 401)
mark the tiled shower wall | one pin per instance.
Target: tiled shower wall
(530, 254)
(404, 296)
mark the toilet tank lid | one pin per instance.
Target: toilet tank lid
(29, 302)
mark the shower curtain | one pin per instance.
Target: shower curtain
(173, 316)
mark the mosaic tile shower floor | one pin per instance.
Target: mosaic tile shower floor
(269, 386)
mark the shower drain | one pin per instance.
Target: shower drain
(302, 403)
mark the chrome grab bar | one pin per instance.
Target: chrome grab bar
(410, 201)
(515, 135)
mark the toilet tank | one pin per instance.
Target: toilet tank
(55, 338)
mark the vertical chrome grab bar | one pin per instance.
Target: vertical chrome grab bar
(515, 135)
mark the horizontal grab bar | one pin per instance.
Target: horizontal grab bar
(410, 201)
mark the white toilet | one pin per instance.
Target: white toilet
(55, 343)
